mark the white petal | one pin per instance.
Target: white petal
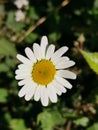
(50, 51)
(23, 72)
(30, 92)
(25, 2)
(44, 96)
(65, 64)
(25, 81)
(59, 87)
(37, 51)
(63, 82)
(60, 60)
(19, 15)
(19, 71)
(58, 92)
(52, 93)
(23, 68)
(22, 82)
(22, 91)
(59, 52)
(30, 54)
(37, 93)
(23, 59)
(44, 43)
(26, 89)
(66, 74)
(18, 4)
(22, 76)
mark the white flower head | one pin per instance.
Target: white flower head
(20, 3)
(19, 15)
(42, 73)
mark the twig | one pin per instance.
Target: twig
(64, 3)
(68, 127)
(32, 28)
(39, 22)
(3, 1)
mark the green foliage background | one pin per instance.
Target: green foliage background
(75, 25)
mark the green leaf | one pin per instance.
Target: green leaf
(91, 59)
(33, 14)
(7, 116)
(93, 127)
(7, 48)
(78, 12)
(10, 62)
(96, 3)
(49, 119)
(12, 24)
(17, 124)
(3, 95)
(31, 37)
(3, 67)
(2, 10)
(70, 115)
(83, 121)
(54, 36)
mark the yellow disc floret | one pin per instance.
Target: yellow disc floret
(43, 72)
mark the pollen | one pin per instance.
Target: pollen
(43, 72)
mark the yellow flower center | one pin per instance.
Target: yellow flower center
(43, 72)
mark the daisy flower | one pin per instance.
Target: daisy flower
(43, 72)
(19, 15)
(20, 3)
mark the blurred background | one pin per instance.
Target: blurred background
(72, 23)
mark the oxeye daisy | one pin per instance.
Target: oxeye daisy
(43, 73)
(20, 3)
(19, 15)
